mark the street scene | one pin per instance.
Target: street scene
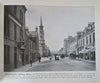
(40, 38)
(65, 64)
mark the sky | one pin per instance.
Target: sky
(59, 22)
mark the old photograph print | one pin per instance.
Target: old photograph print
(49, 38)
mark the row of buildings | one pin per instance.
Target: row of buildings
(83, 44)
(20, 44)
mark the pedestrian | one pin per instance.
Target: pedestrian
(31, 62)
(55, 57)
(50, 58)
(39, 59)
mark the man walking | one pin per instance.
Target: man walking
(39, 59)
(31, 62)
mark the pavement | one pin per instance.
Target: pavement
(28, 66)
(89, 61)
(65, 64)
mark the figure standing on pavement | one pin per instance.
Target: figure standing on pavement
(50, 57)
(39, 59)
(31, 62)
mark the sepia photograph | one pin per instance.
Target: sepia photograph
(49, 38)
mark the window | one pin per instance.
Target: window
(7, 27)
(90, 38)
(21, 16)
(93, 25)
(30, 44)
(40, 36)
(93, 38)
(83, 42)
(78, 43)
(86, 40)
(15, 33)
(8, 31)
(15, 57)
(15, 10)
(15, 50)
(6, 54)
(21, 34)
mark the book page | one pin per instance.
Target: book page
(49, 41)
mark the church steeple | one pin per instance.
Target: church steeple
(41, 37)
(41, 31)
(41, 24)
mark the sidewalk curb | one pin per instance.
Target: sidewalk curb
(87, 61)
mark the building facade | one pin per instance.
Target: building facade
(86, 42)
(70, 45)
(73, 47)
(34, 45)
(83, 44)
(14, 36)
(20, 44)
(27, 46)
(47, 51)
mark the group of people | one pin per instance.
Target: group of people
(39, 58)
(57, 57)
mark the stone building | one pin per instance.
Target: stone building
(86, 42)
(70, 45)
(73, 47)
(27, 46)
(61, 51)
(14, 36)
(83, 44)
(47, 51)
(34, 45)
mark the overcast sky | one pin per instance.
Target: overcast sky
(59, 22)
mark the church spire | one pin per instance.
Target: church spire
(41, 24)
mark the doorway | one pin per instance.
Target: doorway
(15, 57)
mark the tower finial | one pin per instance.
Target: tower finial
(41, 21)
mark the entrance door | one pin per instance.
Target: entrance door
(15, 57)
(23, 58)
